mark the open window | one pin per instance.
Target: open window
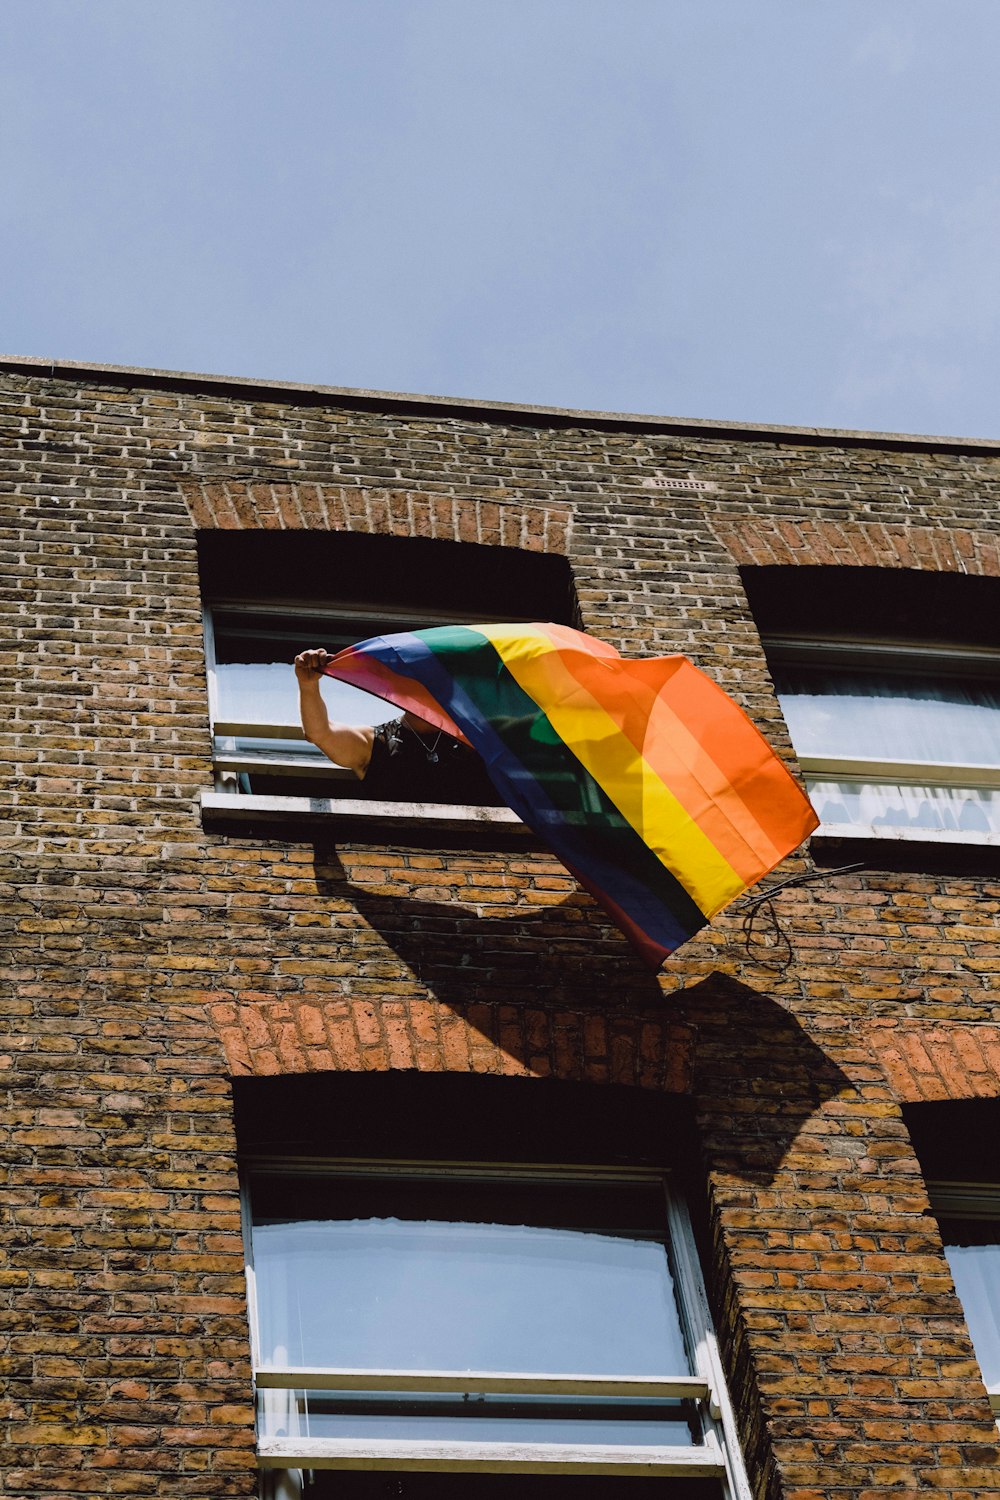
(889, 681)
(481, 1322)
(268, 596)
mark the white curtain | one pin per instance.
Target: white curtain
(402, 1294)
(889, 717)
(976, 1269)
(968, 812)
(278, 1410)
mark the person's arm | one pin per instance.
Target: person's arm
(347, 745)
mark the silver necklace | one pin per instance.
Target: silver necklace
(431, 753)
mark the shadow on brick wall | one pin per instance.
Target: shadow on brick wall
(560, 954)
(758, 1076)
(517, 979)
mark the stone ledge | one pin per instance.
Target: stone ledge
(239, 808)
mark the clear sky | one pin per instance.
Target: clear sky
(761, 210)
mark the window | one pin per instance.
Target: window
(969, 1217)
(956, 1143)
(480, 1320)
(268, 596)
(890, 686)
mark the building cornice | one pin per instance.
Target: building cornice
(511, 413)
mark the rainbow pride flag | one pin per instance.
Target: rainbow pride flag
(647, 781)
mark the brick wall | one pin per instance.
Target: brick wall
(147, 960)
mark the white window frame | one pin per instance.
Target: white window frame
(815, 769)
(968, 1200)
(226, 803)
(718, 1456)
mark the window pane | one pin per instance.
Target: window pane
(975, 1265)
(931, 809)
(528, 1288)
(318, 1414)
(267, 693)
(255, 678)
(890, 716)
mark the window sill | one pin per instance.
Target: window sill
(518, 1458)
(242, 808)
(973, 838)
(866, 769)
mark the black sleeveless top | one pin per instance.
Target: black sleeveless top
(409, 767)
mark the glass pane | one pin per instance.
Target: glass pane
(267, 693)
(890, 716)
(530, 1285)
(255, 678)
(933, 809)
(314, 1414)
(976, 1269)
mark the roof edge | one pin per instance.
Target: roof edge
(296, 392)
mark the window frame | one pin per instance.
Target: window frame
(802, 649)
(718, 1456)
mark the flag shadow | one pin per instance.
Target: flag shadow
(756, 1074)
(567, 953)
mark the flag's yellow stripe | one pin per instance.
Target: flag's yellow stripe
(597, 740)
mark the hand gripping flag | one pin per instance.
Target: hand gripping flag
(642, 776)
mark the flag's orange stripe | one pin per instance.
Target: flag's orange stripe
(564, 635)
(593, 733)
(654, 718)
(729, 741)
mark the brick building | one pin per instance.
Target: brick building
(398, 1036)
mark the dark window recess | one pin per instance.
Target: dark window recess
(271, 595)
(881, 604)
(338, 1485)
(956, 1138)
(328, 569)
(401, 1115)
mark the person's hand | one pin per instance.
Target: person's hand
(309, 664)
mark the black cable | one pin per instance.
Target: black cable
(764, 938)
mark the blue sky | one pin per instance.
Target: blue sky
(755, 210)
